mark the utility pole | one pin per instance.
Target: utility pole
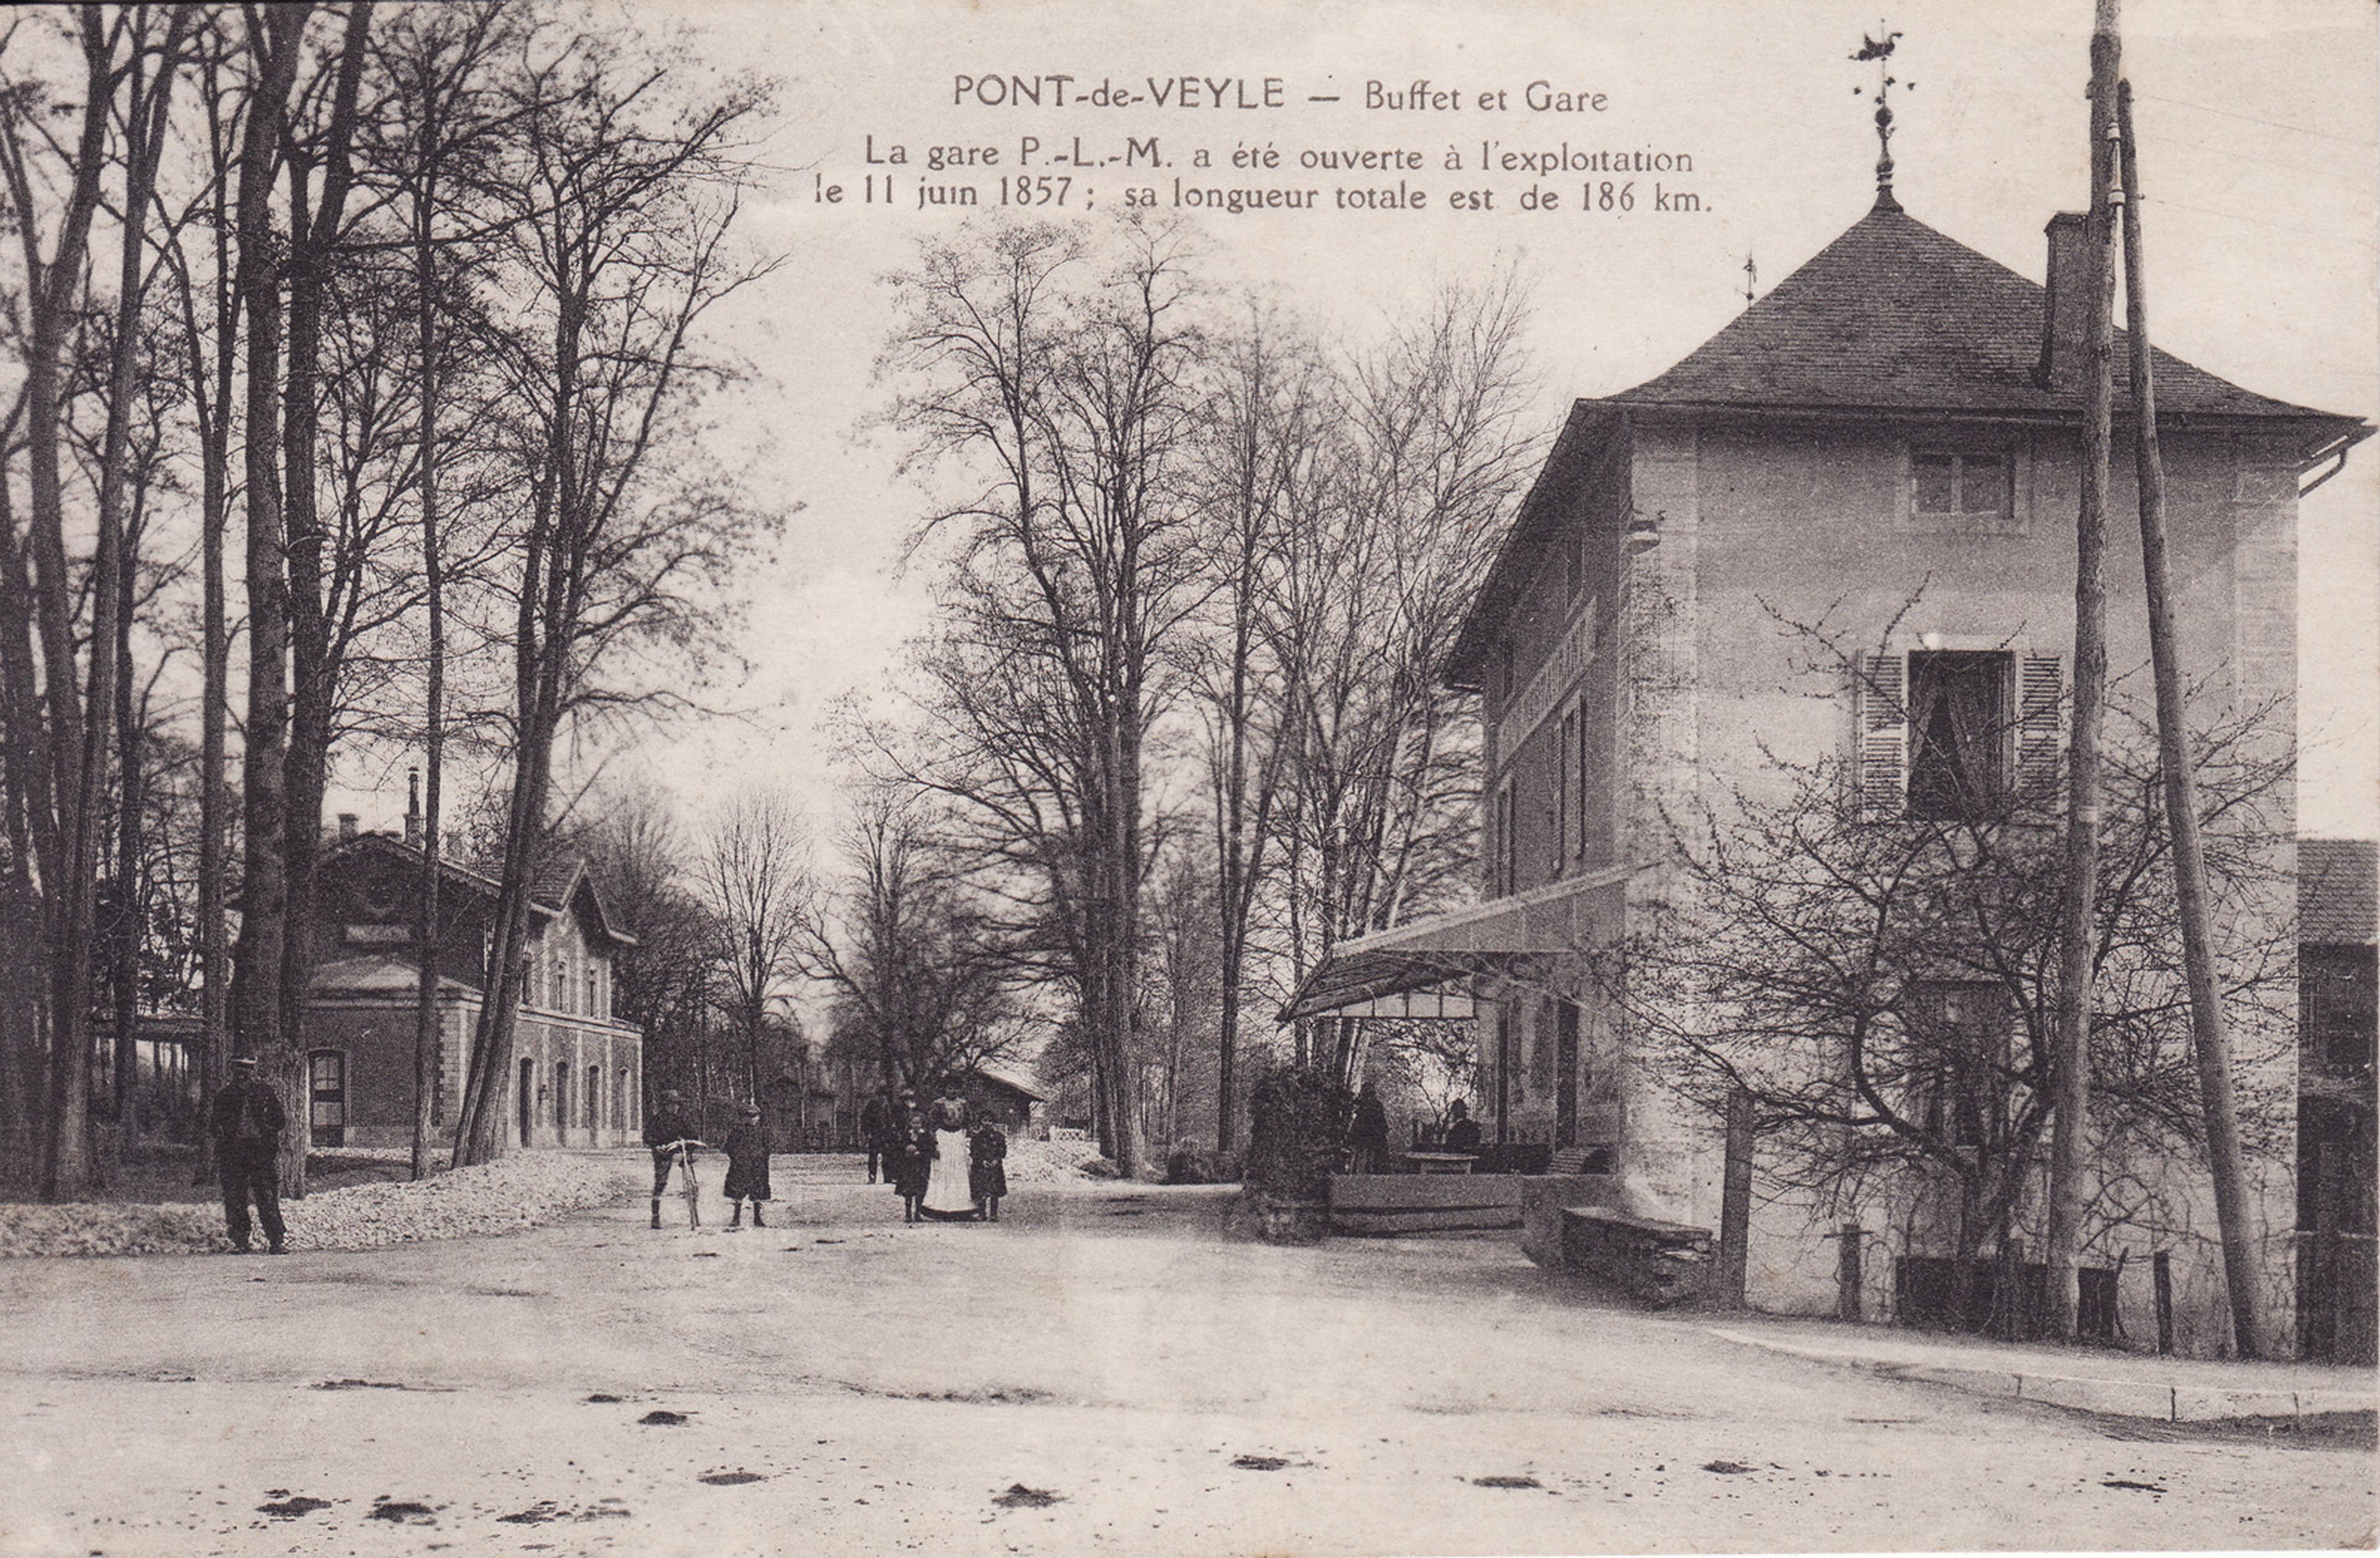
(2211, 1040)
(2069, 1137)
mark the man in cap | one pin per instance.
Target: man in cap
(879, 1132)
(248, 1124)
(664, 1128)
(747, 1168)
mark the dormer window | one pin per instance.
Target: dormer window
(1964, 492)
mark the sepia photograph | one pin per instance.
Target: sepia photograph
(1188, 780)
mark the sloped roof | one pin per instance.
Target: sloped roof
(1892, 315)
(2339, 892)
(375, 974)
(1892, 319)
(388, 844)
(549, 888)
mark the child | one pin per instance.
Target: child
(747, 1167)
(913, 1163)
(987, 1169)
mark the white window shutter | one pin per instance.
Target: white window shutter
(1880, 729)
(2041, 695)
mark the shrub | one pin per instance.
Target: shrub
(1296, 1120)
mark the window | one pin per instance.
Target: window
(1563, 828)
(1500, 868)
(593, 1102)
(1957, 736)
(1958, 730)
(326, 1097)
(1958, 1033)
(589, 1007)
(1964, 492)
(561, 991)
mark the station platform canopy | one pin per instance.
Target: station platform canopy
(1422, 969)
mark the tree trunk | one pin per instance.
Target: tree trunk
(2212, 1043)
(147, 101)
(264, 904)
(130, 929)
(314, 670)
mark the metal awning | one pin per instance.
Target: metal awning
(1368, 975)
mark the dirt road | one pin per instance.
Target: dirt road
(1098, 1374)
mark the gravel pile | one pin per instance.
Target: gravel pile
(1045, 1163)
(513, 1193)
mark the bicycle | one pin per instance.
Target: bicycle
(683, 1148)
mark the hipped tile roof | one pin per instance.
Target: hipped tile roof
(1894, 316)
(1891, 320)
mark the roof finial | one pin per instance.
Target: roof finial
(1880, 51)
(1751, 277)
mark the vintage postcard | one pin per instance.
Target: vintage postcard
(1188, 779)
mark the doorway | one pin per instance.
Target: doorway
(326, 1097)
(525, 1102)
(1565, 1074)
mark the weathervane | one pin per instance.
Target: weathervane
(1880, 51)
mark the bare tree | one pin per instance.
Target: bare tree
(924, 986)
(1269, 456)
(1885, 992)
(276, 43)
(620, 251)
(754, 873)
(59, 733)
(1054, 380)
(1375, 571)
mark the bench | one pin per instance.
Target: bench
(1580, 1160)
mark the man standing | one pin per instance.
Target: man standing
(248, 1125)
(664, 1128)
(1369, 1133)
(1461, 1130)
(878, 1130)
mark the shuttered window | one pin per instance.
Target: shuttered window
(1880, 736)
(1956, 735)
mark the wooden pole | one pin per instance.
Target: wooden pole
(1735, 1202)
(2070, 1135)
(2217, 1100)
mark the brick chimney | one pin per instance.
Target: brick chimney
(347, 826)
(413, 806)
(2066, 314)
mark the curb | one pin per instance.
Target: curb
(2122, 1398)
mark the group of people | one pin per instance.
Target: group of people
(1368, 1132)
(946, 1164)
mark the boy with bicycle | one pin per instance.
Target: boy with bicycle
(664, 1128)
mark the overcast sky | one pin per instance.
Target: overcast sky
(2258, 125)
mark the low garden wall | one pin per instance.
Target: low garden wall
(1423, 1203)
(1658, 1264)
(1543, 1199)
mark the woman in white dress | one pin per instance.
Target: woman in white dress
(949, 1197)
